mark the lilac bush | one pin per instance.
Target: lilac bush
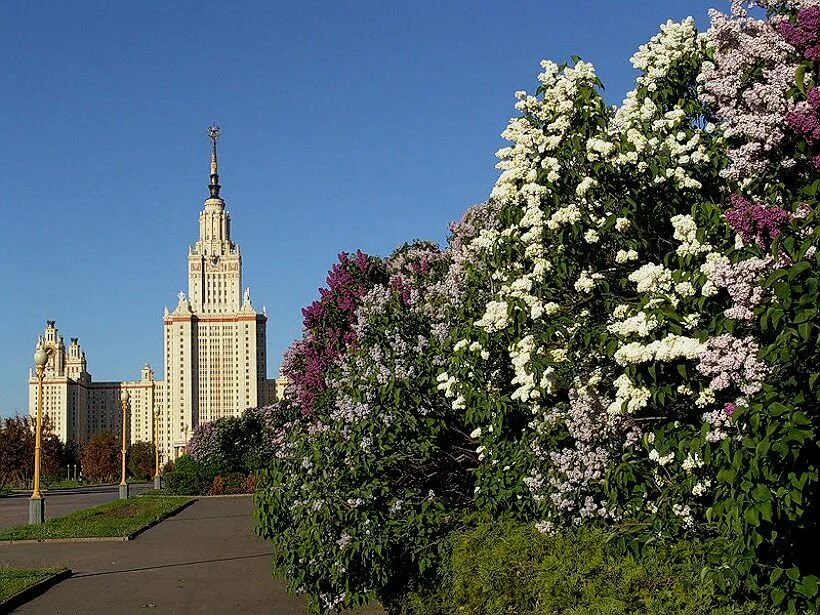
(624, 335)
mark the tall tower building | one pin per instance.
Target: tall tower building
(215, 362)
(214, 342)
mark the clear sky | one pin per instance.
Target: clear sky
(353, 124)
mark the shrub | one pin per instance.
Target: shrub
(232, 444)
(625, 335)
(232, 483)
(189, 477)
(365, 481)
(504, 567)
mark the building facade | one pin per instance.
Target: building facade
(214, 353)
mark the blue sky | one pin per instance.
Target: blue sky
(355, 124)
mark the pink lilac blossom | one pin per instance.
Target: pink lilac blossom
(756, 222)
(572, 477)
(743, 281)
(731, 361)
(719, 424)
(752, 110)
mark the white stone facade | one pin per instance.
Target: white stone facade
(215, 358)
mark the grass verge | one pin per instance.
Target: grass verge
(120, 518)
(15, 580)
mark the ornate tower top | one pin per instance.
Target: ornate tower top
(213, 134)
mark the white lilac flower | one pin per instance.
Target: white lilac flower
(586, 184)
(628, 397)
(652, 278)
(624, 256)
(569, 214)
(495, 317)
(705, 398)
(685, 231)
(692, 462)
(551, 308)
(585, 283)
(670, 348)
(685, 289)
(640, 325)
(592, 236)
(700, 488)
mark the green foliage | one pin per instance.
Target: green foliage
(189, 477)
(501, 567)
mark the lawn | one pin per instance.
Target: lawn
(114, 519)
(13, 580)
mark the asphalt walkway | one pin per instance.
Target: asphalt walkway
(206, 559)
(60, 502)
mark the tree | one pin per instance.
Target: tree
(141, 460)
(16, 451)
(100, 458)
(17, 444)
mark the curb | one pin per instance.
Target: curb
(131, 536)
(32, 591)
(202, 497)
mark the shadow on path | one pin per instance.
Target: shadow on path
(204, 561)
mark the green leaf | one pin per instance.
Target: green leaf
(808, 587)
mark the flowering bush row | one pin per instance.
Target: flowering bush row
(234, 444)
(625, 335)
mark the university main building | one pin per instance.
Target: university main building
(215, 360)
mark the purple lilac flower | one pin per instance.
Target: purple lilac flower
(756, 222)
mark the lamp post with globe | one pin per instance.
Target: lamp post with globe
(37, 503)
(124, 397)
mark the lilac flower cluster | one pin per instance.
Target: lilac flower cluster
(572, 476)
(805, 121)
(720, 423)
(804, 35)
(743, 281)
(752, 110)
(756, 222)
(329, 325)
(203, 443)
(729, 360)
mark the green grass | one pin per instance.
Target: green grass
(13, 580)
(114, 519)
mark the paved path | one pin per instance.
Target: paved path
(203, 560)
(60, 502)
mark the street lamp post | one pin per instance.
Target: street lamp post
(124, 396)
(37, 503)
(157, 477)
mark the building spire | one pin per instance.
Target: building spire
(213, 135)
